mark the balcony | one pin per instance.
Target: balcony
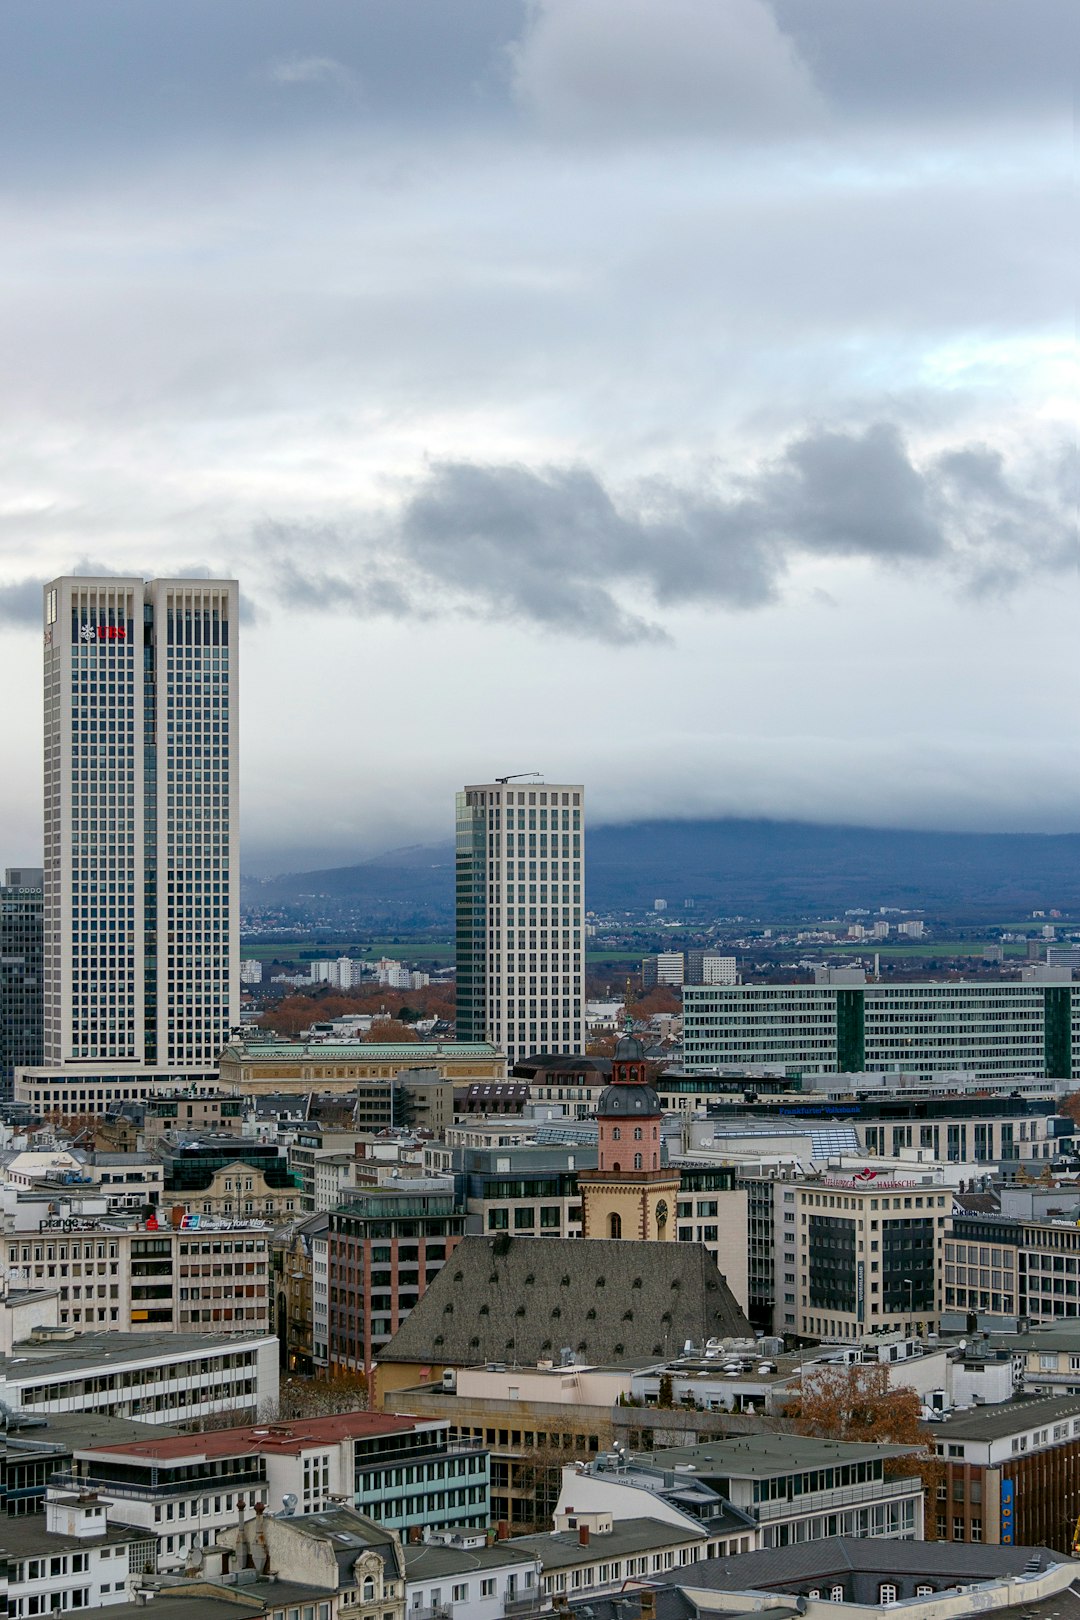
(831, 1501)
(153, 1492)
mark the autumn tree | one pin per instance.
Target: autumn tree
(858, 1402)
(660, 999)
(297, 1012)
(391, 1030)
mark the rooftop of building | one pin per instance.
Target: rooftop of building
(758, 1455)
(373, 1051)
(205, 1607)
(595, 1070)
(348, 1532)
(557, 1549)
(27, 1536)
(67, 1432)
(286, 1438)
(958, 1561)
(195, 1597)
(1004, 1418)
(522, 1300)
(93, 1351)
(696, 1591)
(437, 1560)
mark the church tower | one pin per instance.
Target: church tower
(630, 1194)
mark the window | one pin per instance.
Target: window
(887, 1592)
(614, 1226)
(924, 1591)
(460, 1593)
(836, 1594)
(487, 1588)
(958, 1527)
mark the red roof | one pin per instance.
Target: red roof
(293, 1436)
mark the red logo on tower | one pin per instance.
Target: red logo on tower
(102, 632)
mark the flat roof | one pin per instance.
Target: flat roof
(68, 1431)
(372, 1050)
(26, 1537)
(260, 1437)
(94, 1351)
(432, 1560)
(755, 1454)
(557, 1549)
(1007, 1417)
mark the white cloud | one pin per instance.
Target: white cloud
(638, 69)
(310, 70)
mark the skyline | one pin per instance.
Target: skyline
(692, 399)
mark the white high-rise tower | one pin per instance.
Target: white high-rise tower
(141, 924)
(521, 916)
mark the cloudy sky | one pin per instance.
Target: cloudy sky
(676, 395)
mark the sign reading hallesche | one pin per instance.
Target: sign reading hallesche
(861, 1181)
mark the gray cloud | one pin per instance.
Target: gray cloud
(20, 602)
(556, 548)
(918, 60)
(632, 69)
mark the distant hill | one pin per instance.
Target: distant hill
(768, 869)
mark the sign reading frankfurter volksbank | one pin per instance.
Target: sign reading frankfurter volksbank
(102, 632)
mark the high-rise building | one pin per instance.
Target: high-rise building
(20, 971)
(520, 916)
(141, 871)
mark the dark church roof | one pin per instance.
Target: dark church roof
(628, 1101)
(524, 1300)
(628, 1049)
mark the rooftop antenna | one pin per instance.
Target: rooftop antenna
(517, 777)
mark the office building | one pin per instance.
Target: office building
(153, 1378)
(384, 1250)
(790, 1487)
(404, 1472)
(867, 1255)
(1007, 1469)
(20, 971)
(126, 1275)
(667, 967)
(142, 878)
(520, 917)
(988, 1027)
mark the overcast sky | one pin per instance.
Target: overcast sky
(675, 395)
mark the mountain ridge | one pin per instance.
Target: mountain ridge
(734, 867)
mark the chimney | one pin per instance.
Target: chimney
(583, 1535)
(504, 1530)
(648, 1606)
(176, 1216)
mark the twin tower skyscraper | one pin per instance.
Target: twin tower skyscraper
(141, 891)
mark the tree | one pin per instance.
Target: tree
(859, 1403)
(390, 1030)
(660, 999)
(298, 1398)
(666, 1394)
(409, 1015)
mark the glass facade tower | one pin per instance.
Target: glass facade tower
(141, 890)
(20, 971)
